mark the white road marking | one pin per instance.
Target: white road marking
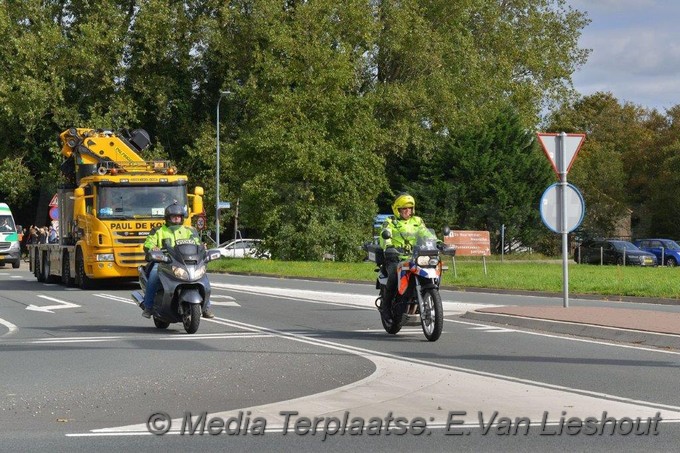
(169, 337)
(10, 327)
(336, 298)
(317, 297)
(412, 388)
(116, 298)
(48, 308)
(229, 302)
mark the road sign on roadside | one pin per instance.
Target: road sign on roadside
(571, 145)
(551, 211)
(470, 243)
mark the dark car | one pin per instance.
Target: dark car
(613, 251)
(667, 251)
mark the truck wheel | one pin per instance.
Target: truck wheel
(82, 280)
(39, 265)
(36, 268)
(45, 270)
(66, 278)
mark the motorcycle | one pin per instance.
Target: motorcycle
(417, 300)
(183, 287)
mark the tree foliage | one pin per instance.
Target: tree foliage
(484, 179)
(328, 97)
(625, 166)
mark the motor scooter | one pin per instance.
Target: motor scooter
(183, 289)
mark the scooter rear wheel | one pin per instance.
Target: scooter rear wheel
(192, 318)
(160, 324)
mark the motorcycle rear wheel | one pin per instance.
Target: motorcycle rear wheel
(192, 318)
(432, 315)
(387, 318)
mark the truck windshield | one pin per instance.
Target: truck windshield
(135, 202)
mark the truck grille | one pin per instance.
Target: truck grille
(129, 237)
(131, 258)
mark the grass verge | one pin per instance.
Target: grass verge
(547, 276)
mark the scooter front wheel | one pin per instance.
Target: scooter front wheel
(432, 315)
(192, 318)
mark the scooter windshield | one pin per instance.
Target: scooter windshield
(187, 252)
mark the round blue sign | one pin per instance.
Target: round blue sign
(551, 212)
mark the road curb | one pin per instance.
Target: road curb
(638, 337)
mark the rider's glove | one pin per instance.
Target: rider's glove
(391, 254)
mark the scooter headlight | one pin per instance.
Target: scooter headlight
(180, 273)
(199, 272)
(188, 274)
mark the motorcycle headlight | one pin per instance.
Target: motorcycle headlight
(427, 260)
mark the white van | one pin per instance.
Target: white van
(10, 251)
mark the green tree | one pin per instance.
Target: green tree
(611, 169)
(484, 178)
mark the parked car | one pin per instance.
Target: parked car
(243, 248)
(667, 251)
(613, 251)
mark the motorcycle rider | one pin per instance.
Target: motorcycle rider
(173, 230)
(404, 227)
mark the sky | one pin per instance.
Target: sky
(635, 51)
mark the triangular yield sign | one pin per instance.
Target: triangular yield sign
(572, 145)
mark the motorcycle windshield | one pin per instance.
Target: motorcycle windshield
(426, 241)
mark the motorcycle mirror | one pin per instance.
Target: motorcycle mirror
(449, 250)
(386, 234)
(447, 230)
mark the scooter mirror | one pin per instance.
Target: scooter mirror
(386, 234)
(213, 254)
(158, 256)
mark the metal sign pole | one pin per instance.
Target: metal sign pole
(562, 156)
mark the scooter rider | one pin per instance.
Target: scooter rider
(404, 227)
(173, 230)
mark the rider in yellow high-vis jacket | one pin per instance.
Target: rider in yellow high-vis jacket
(172, 230)
(405, 228)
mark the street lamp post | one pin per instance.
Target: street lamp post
(217, 173)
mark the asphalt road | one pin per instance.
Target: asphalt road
(294, 365)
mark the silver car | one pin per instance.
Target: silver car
(243, 248)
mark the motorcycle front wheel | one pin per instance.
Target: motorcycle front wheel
(192, 318)
(432, 315)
